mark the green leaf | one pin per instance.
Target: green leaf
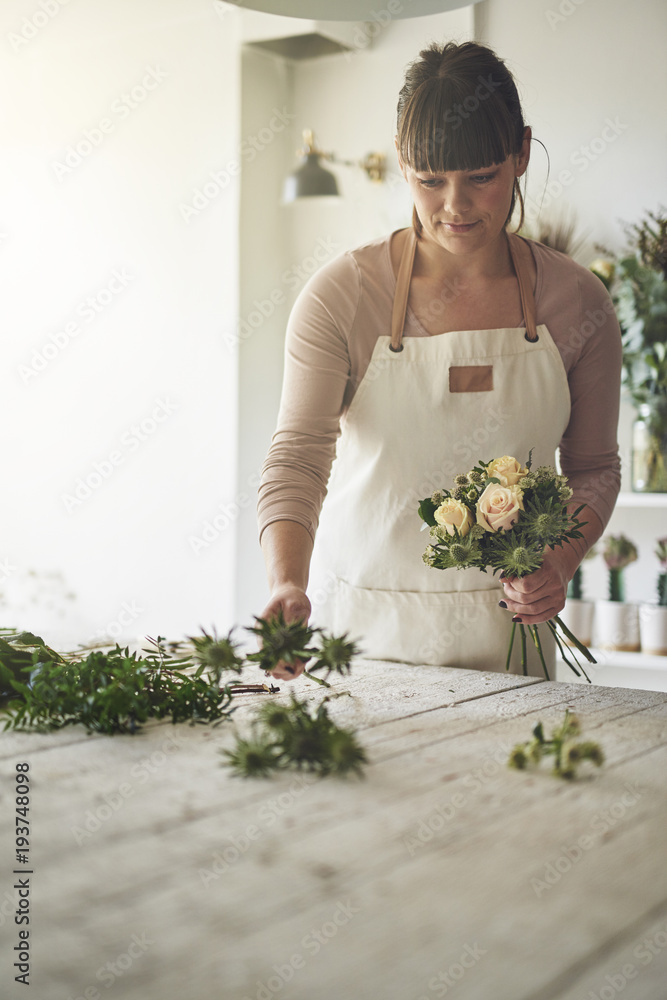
(427, 510)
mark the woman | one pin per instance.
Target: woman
(448, 342)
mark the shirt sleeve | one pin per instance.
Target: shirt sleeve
(592, 354)
(317, 370)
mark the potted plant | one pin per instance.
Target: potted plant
(653, 617)
(638, 287)
(617, 623)
(578, 612)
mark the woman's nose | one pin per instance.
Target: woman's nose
(456, 199)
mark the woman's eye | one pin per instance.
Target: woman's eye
(429, 182)
(482, 178)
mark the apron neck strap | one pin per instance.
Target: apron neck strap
(521, 256)
(402, 289)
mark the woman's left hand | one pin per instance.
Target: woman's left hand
(540, 595)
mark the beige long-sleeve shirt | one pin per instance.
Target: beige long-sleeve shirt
(333, 329)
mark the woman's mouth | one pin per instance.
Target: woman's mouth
(452, 227)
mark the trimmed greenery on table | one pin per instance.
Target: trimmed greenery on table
(296, 737)
(568, 751)
(115, 691)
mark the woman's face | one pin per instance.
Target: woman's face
(465, 210)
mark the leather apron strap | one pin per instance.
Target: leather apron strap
(402, 290)
(522, 258)
(521, 255)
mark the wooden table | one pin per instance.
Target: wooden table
(157, 875)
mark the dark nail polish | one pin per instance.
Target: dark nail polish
(517, 619)
(501, 604)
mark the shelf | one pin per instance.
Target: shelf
(642, 500)
(631, 661)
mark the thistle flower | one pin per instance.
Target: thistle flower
(618, 552)
(251, 758)
(570, 754)
(475, 476)
(459, 552)
(545, 523)
(588, 750)
(520, 561)
(346, 754)
(216, 654)
(335, 655)
(518, 758)
(528, 481)
(461, 479)
(437, 497)
(565, 493)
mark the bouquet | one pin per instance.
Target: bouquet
(503, 516)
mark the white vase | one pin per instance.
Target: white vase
(617, 626)
(653, 629)
(578, 616)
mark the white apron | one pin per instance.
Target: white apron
(427, 409)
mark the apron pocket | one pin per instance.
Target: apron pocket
(458, 629)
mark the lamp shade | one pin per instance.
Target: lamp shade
(350, 10)
(310, 180)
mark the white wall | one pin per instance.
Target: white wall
(153, 351)
(266, 293)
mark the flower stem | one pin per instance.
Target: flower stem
(509, 651)
(318, 680)
(538, 646)
(573, 639)
(524, 665)
(552, 625)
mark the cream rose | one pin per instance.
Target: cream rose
(498, 507)
(453, 514)
(507, 470)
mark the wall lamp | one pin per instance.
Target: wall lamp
(312, 180)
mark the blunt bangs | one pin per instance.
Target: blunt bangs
(450, 126)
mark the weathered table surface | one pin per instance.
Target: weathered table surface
(156, 874)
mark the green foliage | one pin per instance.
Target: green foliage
(639, 293)
(109, 692)
(296, 737)
(426, 509)
(563, 746)
(116, 691)
(293, 643)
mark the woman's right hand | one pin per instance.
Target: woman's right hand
(295, 606)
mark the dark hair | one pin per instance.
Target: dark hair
(459, 110)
